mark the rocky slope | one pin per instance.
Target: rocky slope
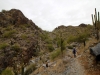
(18, 38)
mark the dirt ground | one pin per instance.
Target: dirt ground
(88, 60)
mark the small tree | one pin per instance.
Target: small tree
(82, 38)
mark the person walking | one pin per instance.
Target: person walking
(74, 51)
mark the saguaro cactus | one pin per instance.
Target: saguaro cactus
(62, 45)
(95, 21)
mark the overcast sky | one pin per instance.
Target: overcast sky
(48, 14)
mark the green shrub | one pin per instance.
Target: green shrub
(55, 54)
(70, 47)
(7, 71)
(50, 47)
(63, 45)
(82, 37)
(48, 41)
(24, 26)
(9, 34)
(58, 42)
(89, 27)
(3, 11)
(30, 69)
(74, 45)
(9, 28)
(24, 36)
(79, 38)
(44, 36)
(71, 39)
(15, 47)
(3, 45)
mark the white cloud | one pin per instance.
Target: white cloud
(49, 14)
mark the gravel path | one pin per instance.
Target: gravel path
(74, 68)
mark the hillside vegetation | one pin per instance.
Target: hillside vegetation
(25, 48)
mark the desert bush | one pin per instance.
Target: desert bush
(82, 37)
(15, 47)
(9, 34)
(71, 39)
(89, 27)
(7, 71)
(70, 47)
(54, 41)
(23, 36)
(24, 26)
(3, 11)
(50, 47)
(58, 42)
(9, 28)
(79, 38)
(44, 36)
(63, 44)
(48, 41)
(3, 45)
(74, 45)
(55, 54)
(30, 69)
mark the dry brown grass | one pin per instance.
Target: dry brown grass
(59, 67)
(87, 60)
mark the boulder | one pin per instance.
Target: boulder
(96, 52)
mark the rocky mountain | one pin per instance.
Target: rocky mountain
(14, 17)
(18, 38)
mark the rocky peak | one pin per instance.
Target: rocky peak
(14, 17)
(82, 25)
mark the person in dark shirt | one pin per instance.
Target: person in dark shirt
(74, 51)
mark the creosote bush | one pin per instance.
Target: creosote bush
(48, 41)
(15, 47)
(55, 54)
(44, 36)
(9, 34)
(70, 47)
(79, 38)
(71, 39)
(24, 36)
(4, 11)
(7, 71)
(30, 69)
(9, 27)
(50, 47)
(3, 45)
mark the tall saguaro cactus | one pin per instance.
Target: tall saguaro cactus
(62, 45)
(95, 21)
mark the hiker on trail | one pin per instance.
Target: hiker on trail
(74, 52)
